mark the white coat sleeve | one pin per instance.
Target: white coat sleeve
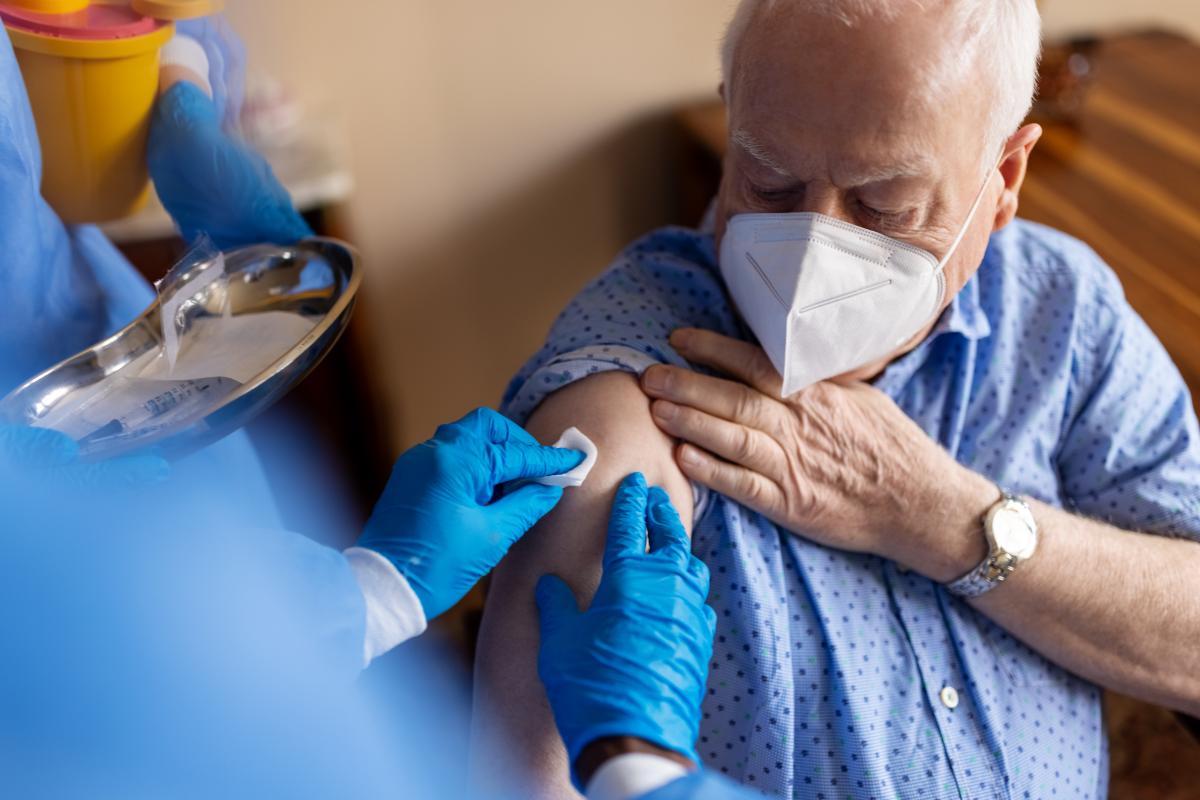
(393, 610)
(642, 776)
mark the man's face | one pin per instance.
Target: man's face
(825, 118)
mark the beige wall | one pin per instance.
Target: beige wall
(504, 151)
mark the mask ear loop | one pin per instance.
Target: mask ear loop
(970, 217)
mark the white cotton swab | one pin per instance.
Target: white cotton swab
(574, 439)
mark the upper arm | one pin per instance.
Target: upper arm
(511, 706)
(1131, 452)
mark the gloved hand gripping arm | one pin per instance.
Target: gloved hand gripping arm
(628, 675)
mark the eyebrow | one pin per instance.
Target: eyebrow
(916, 166)
(753, 148)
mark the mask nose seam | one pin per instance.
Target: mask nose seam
(833, 246)
(880, 239)
(891, 248)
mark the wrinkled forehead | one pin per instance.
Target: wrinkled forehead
(830, 99)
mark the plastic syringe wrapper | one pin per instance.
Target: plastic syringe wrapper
(201, 267)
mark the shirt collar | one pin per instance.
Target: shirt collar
(964, 316)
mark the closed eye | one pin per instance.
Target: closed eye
(896, 220)
(773, 195)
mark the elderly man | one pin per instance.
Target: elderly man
(891, 622)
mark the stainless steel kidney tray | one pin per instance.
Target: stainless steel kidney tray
(313, 283)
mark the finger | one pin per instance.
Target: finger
(666, 529)
(130, 471)
(727, 399)
(556, 604)
(699, 570)
(743, 360)
(739, 484)
(516, 460)
(741, 444)
(492, 426)
(123, 473)
(627, 523)
(515, 513)
(36, 447)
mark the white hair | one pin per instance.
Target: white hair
(1000, 39)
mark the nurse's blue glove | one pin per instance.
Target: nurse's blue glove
(439, 520)
(635, 663)
(211, 183)
(50, 459)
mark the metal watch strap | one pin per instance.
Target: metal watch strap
(995, 567)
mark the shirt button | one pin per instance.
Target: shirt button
(949, 697)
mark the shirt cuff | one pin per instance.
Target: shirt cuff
(394, 612)
(633, 775)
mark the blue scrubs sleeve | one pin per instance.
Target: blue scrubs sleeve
(65, 287)
(322, 594)
(62, 287)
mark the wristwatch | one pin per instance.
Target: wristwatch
(1012, 537)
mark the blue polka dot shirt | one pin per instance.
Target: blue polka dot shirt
(837, 675)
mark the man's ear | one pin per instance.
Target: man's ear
(1012, 169)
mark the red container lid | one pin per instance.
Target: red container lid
(96, 23)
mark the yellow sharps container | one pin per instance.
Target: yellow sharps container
(91, 71)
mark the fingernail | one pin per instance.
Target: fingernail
(681, 339)
(655, 379)
(579, 454)
(689, 456)
(665, 411)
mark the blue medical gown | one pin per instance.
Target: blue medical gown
(182, 645)
(152, 645)
(172, 641)
(65, 287)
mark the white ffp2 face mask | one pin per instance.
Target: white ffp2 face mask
(825, 297)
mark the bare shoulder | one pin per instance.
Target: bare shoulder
(510, 701)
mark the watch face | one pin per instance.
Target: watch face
(1012, 532)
